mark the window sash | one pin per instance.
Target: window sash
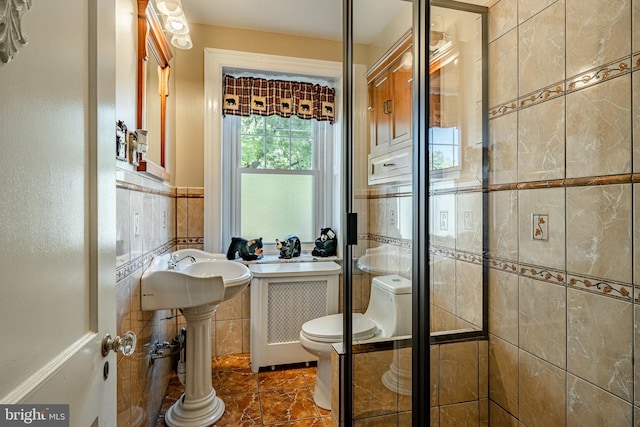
(323, 171)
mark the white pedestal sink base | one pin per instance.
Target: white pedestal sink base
(198, 406)
(195, 414)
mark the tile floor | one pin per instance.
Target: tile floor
(282, 397)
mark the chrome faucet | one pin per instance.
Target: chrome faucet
(174, 261)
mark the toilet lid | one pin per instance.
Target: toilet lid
(329, 328)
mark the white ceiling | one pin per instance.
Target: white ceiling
(296, 17)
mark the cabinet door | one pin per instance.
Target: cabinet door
(401, 76)
(381, 104)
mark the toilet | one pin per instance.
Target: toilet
(388, 314)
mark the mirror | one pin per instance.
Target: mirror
(154, 55)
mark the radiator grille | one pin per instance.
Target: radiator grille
(291, 304)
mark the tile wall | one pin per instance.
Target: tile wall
(168, 219)
(564, 142)
(146, 218)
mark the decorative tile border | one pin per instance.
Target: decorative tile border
(600, 286)
(607, 288)
(469, 257)
(586, 79)
(125, 270)
(503, 265)
(506, 108)
(189, 241)
(550, 92)
(394, 241)
(599, 74)
(544, 274)
(135, 187)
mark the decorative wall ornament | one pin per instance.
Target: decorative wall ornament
(121, 141)
(11, 36)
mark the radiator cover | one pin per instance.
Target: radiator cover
(282, 299)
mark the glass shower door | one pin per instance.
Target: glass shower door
(381, 197)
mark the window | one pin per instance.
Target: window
(278, 170)
(444, 148)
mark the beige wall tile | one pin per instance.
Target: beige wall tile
(458, 376)
(460, 415)
(541, 134)
(502, 18)
(503, 69)
(370, 396)
(503, 305)
(181, 217)
(542, 320)
(597, 33)
(636, 360)
(599, 341)
(195, 217)
(503, 149)
(599, 129)
(503, 374)
(230, 309)
(434, 371)
(547, 201)
(469, 293)
(528, 8)
(443, 283)
(483, 377)
(123, 217)
(542, 392)
(498, 417)
(636, 110)
(469, 222)
(590, 406)
(599, 231)
(228, 336)
(503, 224)
(443, 224)
(635, 42)
(541, 49)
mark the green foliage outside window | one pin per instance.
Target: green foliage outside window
(275, 142)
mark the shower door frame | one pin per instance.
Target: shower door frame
(421, 324)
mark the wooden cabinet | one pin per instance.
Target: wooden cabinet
(390, 97)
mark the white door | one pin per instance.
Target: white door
(57, 220)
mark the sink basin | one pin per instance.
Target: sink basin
(386, 259)
(210, 280)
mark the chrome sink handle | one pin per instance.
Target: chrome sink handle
(174, 261)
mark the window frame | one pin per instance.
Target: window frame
(323, 146)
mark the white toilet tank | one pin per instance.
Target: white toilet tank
(390, 305)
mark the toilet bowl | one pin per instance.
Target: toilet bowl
(388, 314)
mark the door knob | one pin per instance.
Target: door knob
(125, 344)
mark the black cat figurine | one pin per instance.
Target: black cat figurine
(289, 247)
(248, 250)
(326, 244)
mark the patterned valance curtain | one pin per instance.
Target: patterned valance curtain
(244, 96)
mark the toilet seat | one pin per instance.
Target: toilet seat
(329, 328)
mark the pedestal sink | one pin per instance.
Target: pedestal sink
(195, 282)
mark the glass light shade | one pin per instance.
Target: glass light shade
(177, 25)
(181, 41)
(170, 7)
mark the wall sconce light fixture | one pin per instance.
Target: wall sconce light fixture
(175, 22)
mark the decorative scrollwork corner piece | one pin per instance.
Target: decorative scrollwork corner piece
(11, 36)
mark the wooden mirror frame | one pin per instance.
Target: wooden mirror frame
(151, 39)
